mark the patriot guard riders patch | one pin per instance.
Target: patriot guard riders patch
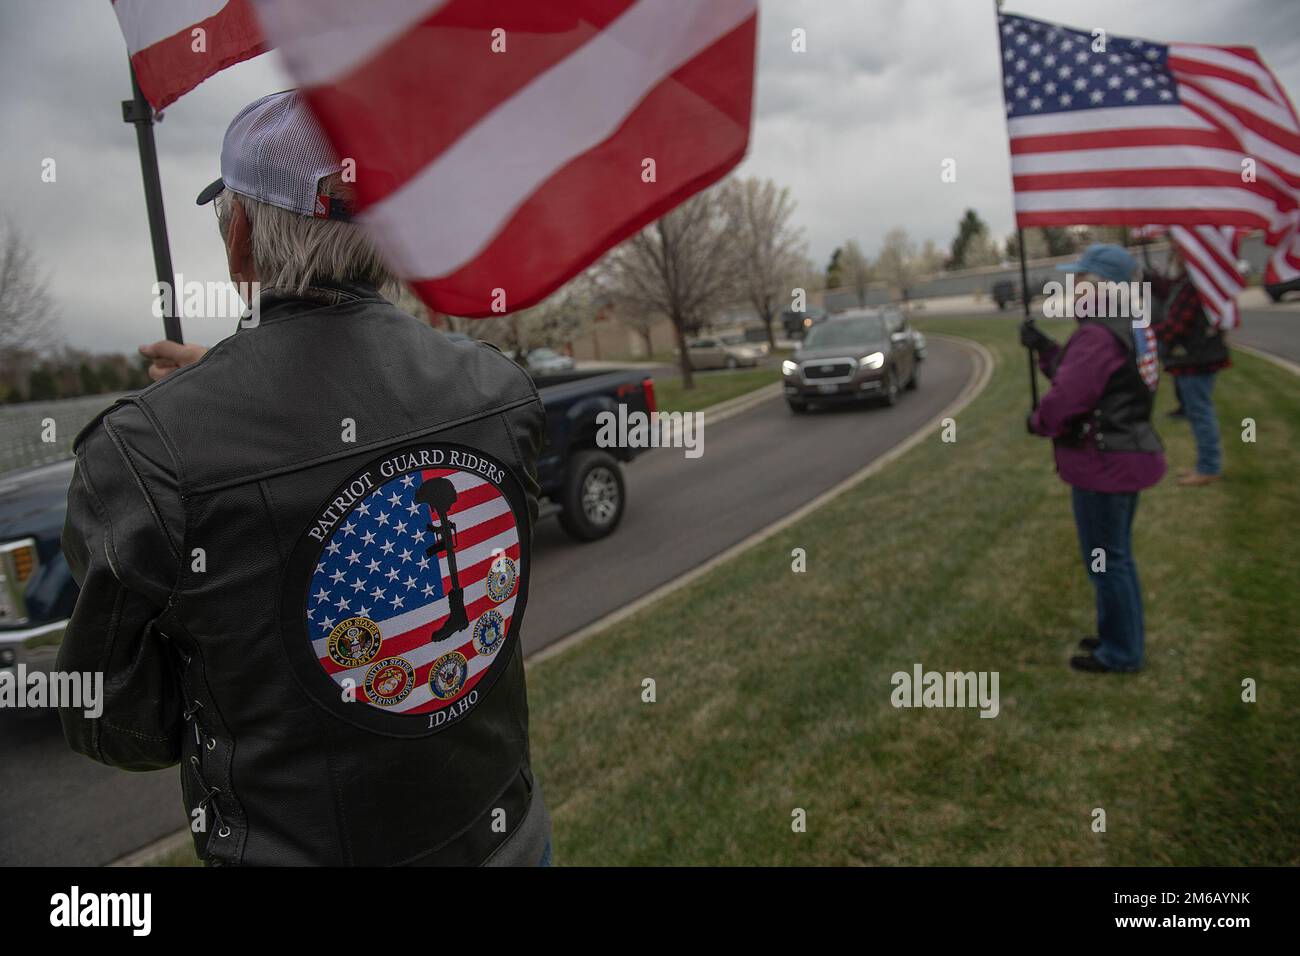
(414, 575)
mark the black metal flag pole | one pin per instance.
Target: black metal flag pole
(1024, 294)
(1024, 269)
(138, 111)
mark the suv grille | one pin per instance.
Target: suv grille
(836, 368)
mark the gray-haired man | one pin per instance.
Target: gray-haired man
(264, 584)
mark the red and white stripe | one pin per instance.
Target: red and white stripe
(1176, 165)
(1210, 254)
(161, 42)
(481, 171)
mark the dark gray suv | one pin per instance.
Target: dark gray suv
(853, 356)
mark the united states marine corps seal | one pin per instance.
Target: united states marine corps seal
(354, 642)
(489, 632)
(447, 675)
(501, 579)
(389, 681)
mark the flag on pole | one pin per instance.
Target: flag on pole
(1114, 130)
(500, 149)
(1211, 254)
(177, 44)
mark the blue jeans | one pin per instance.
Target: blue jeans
(1105, 521)
(546, 854)
(1197, 393)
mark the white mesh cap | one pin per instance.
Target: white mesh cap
(275, 152)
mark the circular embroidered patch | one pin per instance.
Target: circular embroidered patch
(501, 578)
(353, 642)
(390, 681)
(489, 632)
(415, 569)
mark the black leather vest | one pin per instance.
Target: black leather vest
(362, 490)
(1121, 420)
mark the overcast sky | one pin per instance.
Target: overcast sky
(857, 128)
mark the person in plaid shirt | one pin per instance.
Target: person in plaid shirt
(1194, 353)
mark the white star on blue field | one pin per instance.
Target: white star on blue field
(374, 564)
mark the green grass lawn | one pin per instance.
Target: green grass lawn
(773, 688)
(712, 388)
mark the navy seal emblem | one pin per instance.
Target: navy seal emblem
(447, 676)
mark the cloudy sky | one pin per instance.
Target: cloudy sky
(857, 127)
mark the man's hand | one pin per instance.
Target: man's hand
(1031, 337)
(168, 356)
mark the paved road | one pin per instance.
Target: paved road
(757, 466)
(1275, 330)
(60, 808)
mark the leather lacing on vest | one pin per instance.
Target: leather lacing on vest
(210, 793)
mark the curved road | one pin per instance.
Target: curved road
(757, 467)
(58, 808)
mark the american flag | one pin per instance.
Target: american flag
(1144, 132)
(374, 567)
(502, 147)
(1211, 254)
(168, 58)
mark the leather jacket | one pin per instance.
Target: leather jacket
(1121, 420)
(304, 561)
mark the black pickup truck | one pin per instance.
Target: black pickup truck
(581, 483)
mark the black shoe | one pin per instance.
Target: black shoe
(1090, 664)
(1089, 644)
(1176, 413)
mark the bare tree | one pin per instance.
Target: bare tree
(769, 252)
(897, 262)
(641, 321)
(678, 267)
(27, 323)
(553, 322)
(559, 318)
(931, 259)
(855, 269)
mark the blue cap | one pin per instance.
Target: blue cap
(1106, 260)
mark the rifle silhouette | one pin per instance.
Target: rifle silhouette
(440, 494)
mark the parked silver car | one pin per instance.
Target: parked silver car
(724, 351)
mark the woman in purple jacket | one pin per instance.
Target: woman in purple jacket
(1098, 415)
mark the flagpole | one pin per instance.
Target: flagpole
(1024, 295)
(138, 111)
(1024, 269)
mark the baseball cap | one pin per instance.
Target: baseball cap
(1106, 260)
(275, 152)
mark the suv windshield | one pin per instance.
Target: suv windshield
(838, 332)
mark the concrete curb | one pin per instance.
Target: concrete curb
(147, 855)
(980, 375)
(1277, 360)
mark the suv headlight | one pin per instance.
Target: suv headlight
(788, 367)
(874, 360)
